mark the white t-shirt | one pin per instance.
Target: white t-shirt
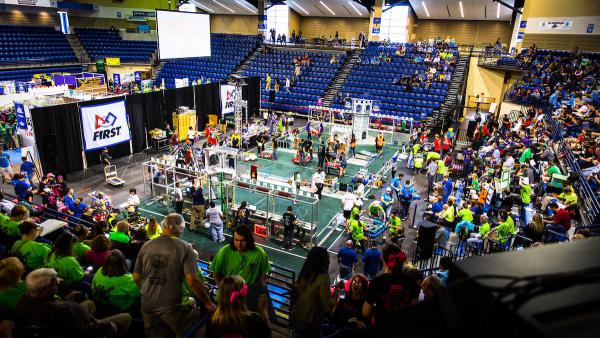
(191, 134)
(133, 200)
(318, 178)
(348, 201)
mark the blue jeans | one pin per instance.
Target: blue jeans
(217, 232)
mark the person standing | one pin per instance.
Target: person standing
(242, 257)
(287, 84)
(372, 261)
(289, 221)
(275, 148)
(379, 139)
(178, 198)
(197, 207)
(311, 295)
(353, 145)
(318, 179)
(162, 266)
(191, 134)
(27, 168)
(215, 218)
(347, 259)
(321, 153)
(5, 166)
(348, 201)
(105, 157)
(432, 169)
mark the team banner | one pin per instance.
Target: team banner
(228, 93)
(20, 114)
(104, 125)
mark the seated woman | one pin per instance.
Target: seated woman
(347, 312)
(12, 286)
(534, 230)
(112, 285)
(27, 249)
(62, 260)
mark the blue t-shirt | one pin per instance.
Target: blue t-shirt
(4, 160)
(437, 207)
(372, 260)
(27, 167)
(21, 188)
(347, 256)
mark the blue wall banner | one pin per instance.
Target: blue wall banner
(116, 79)
(21, 118)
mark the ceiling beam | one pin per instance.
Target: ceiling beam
(274, 3)
(368, 4)
(508, 6)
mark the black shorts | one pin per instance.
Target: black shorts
(347, 214)
(378, 148)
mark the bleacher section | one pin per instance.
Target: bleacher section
(101, 43)
(28, 44)
(27, 74)
(374, 81)
(227, 52)
(313, 82)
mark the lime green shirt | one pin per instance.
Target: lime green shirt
(31, 253)
(484, 230)
(251, 265)
(441, 167)
(465, 215)
(525, 194)
(11, 296)
(120, 237)
(187, 292)
(354, 212)
(394, 223)
(80, 249)
(357, 229)
(157, 233)
(119, 291)
(432, 155)
(67, 268)
(570, 198)
(10, 228)
(375, 209)
(506, 228)
(448, 214)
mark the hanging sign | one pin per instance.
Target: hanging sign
(104, 125)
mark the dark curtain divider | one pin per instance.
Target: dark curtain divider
(146, 112)
(119, 150)
(58, 136)
(178, 97)
(251, 93)
(207, 102)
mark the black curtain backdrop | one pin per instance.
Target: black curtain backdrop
(116, 151)
(207, 102)
(146, 112)
(251, 93)
(58, 136)
(178, 97)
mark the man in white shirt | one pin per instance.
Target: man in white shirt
(287, 84)
(178, 198)
(318, 179)
(191, 135)
(432, 168)
(348, 201)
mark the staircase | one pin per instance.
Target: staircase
(445, 115)
(156, 70)
(341, 76)
(80, 52)
(239, 71)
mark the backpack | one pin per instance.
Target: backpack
(406, 194)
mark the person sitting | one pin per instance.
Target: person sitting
(120, 239)
(12, 287)
(99, 251)
(478, 238)
(62, 260)
(153, 229)
(64, 318)
(347, 311)
(30, 252)
(232, 318)
(112, 285)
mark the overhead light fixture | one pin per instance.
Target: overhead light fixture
(245, 6)
(329, 9)
(462, 13)
(354, 7)
(302, 9)
(425, 8)
(227, 8)
(202, 6)
(498, 12)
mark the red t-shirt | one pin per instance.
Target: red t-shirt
(563, 218)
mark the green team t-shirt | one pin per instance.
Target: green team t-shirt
(80, 249)
(475, 184)
(250, 264)
(187, 292)
(119, 291)
(11, 296)
(67, 268)
(553, 170)
(525, 194)
(526, 156)
(31, 253)
(357, 228)
(354, 212)
(120, 237)
(10, 228)
(465, 215)
(395, 223)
